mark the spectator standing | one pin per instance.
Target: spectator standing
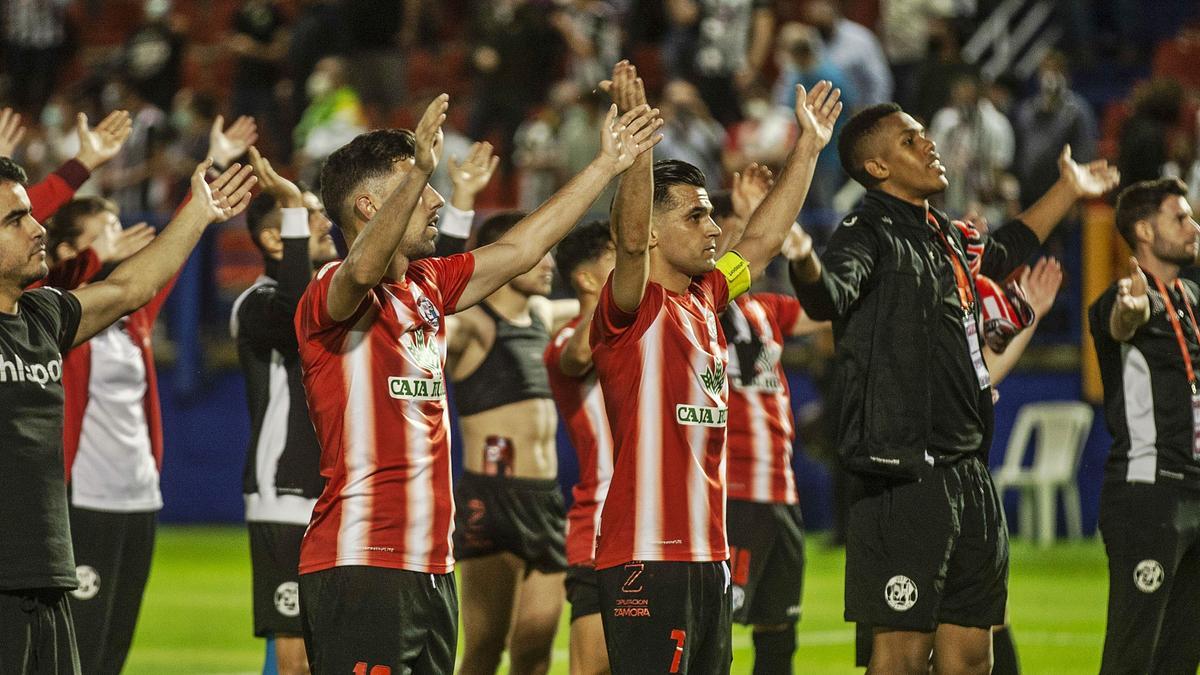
(382, 30)
(855, 50)
(317, 32)
(689, 131)
(259, 42)
(976, 146)
(1145, 136)
(942, 66)
(153, 57)
(592, 33)
(334, 117)
(904, 30)
(35, 36)
(1053, 117)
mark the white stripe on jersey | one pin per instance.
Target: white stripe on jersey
(762, 447)
(597, 418)
(697, 480)
(648, 507)
(359, 418)
(1139, 416)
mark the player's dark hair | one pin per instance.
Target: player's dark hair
(370, 156)
(495, 227)
(582, 245)
(66, 225)
(1141, 201)
(722, 203)
(256, 216)
(854, 140)
(669, 172)
(10, 171)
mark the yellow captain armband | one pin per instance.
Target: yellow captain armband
(737, 273)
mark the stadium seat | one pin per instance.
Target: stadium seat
(1062, 429)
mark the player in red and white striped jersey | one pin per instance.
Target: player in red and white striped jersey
(585, 258)
(376, 565)
(661, 359)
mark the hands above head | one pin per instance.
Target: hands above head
(623, 139)
(470, 176)
(226, 145)
(625, 88)
(1087, 180)
(223, 198)
(270, 182)
(817, 111)
(11, 132)
(798, 245)
(429, 135)
(99, 145)
(118, 244)
(1041, 283)
(750, 188)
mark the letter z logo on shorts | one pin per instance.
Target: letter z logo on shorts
(633, 580)
(1148, 576)
(900, 593)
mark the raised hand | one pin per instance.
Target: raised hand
(99, 145)
(1132, 298)
(11, 132)
(1041, 283)
(817, 111)
(283, 190)
(226, 145)
(624, 138)
(225, 197)
(750, 188)
(118, 244)
(798, 245)
(470, 176)
(1087, 180)
(625, 88)
(429, 134)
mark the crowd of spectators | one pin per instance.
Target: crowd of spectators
(523, 74)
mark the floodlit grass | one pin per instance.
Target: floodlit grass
(196, 614)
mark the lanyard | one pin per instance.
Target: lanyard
(1174, 319)
(966, 292)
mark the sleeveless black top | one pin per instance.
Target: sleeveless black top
(512, 370)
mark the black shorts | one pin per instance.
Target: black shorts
(1152, 537)
(583, 590)
(667, 617)
(766, 561)
(274, 564)
(523, 516)
(926, 552)
(358, 618)
(112, 558)
(37, 634)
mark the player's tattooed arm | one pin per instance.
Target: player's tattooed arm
(816, 113)
(137, 280)
(1132, 307)
(375, 246)
(623, 139)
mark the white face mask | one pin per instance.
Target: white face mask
(318, 85)
(757, 108)
(52, 116)
(157, 9)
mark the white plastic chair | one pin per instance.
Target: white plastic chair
(1062, 429)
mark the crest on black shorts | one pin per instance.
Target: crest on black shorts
(428, 312)
(89, 583)
(287, 599)
(1148, 576)
(900, 593)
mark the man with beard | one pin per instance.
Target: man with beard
(927, 545)
(282, 478)
(1148, 345)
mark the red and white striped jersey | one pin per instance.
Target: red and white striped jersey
(581, 405)
(760, 413)
(376, 394)
(662, 369)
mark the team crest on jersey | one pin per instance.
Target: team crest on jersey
(423, 350)
(900, 593)
(1148, 576)
(287, 599)
(89, 583)
(428, 312)
(713, 378)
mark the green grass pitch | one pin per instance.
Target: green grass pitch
(196, 613)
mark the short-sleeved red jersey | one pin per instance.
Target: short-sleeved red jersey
(376, 394)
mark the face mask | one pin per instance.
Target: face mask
(157, 9)
(757, 109)
(52, 116)
(182, 119)
(318, 85)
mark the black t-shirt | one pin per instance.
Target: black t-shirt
(956, 424)
(1147, 397)
(35, 539)
(259, 20)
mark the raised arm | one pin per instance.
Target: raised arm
(467, 179)
(1075, 182)
(770, 222)
(633, 207)
(1132, 308)
(622, 140)
(11, 131)
(576, 357)
(1041, 284)
(750, 188)
(375, 247)
(137, 280)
